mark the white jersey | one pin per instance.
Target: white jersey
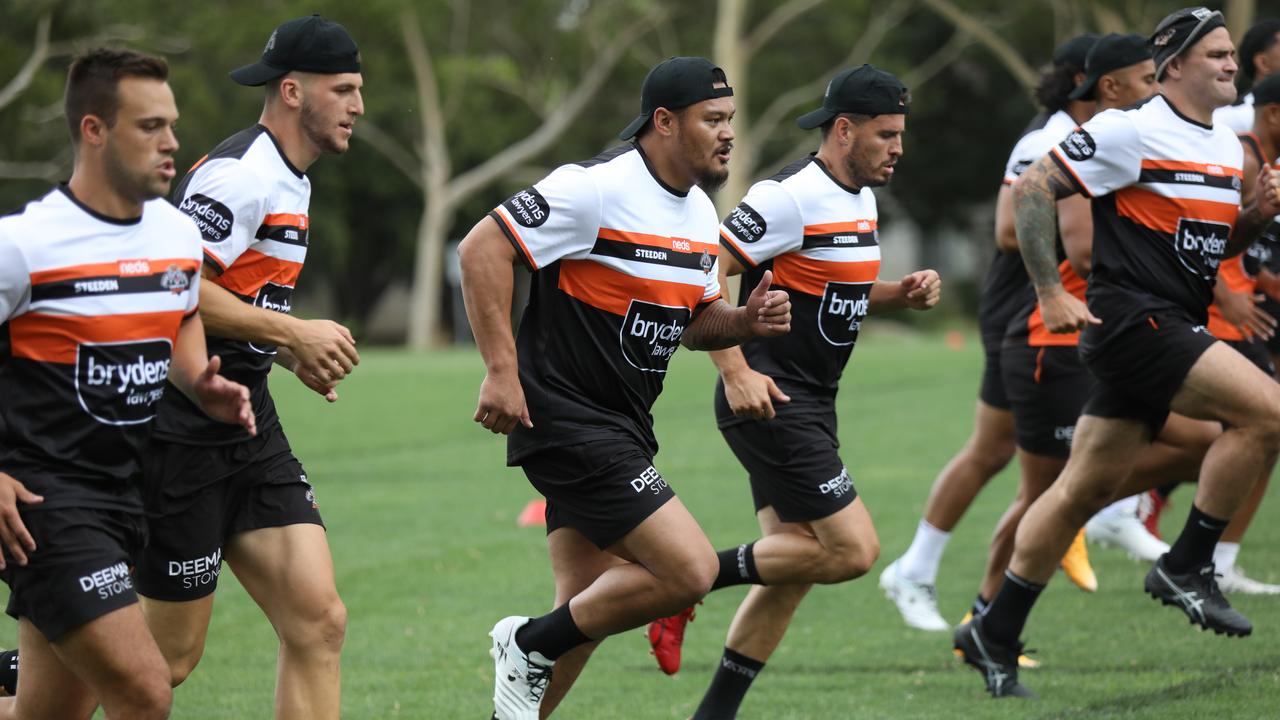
(1237, 116)
(1036, 144)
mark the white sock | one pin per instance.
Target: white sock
(1225, 554)
(920, 562)
(1121, 508)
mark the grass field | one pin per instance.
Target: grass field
(421, 514)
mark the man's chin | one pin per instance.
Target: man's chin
(713, 181)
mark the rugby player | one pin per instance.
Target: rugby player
(215, 492)
(98, 293)
(910, 579)
(623, 253)
(1165, 187)
(814, 226)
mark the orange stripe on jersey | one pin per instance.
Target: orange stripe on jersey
(857, 226)
(811, 276)
(56, 338)
(1037, 334)
(666, 243)
(119, 268)
(1231, 272)
(1195, 167)
(511, 232)
(1162, 214)
(612, 291)
(253, 269)
(285, 219)
(198, 164)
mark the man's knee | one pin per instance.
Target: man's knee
(850, 561)
(145, 695)
(182, 664)
(695, 580)
(320, 627)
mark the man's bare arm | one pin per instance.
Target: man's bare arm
(1035, 206)
(766, 314)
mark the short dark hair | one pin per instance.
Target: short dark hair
(1055, 86)
(94, 79)
(855, 118)
(1257, 40)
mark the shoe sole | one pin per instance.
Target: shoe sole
(1217, 630)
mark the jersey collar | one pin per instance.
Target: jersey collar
(65, 190)
(283, 158)
(827, 171)
(654, 173)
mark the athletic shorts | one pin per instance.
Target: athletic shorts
(603, 489)
(1047, 388)
(1141, 361)
(79, 570)
(258, 485)
(1256, 352)
(793, 465)
(1273, 308)
(992, 391)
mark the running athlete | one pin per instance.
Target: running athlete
(910, 579)
(98, 292)
(1165, 188)
(1259, 58)
(623, 254)
(814, 226)
(215, 492)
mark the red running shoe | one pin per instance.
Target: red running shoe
(666, 637)
(1150, 505)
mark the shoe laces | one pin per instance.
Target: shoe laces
(537, 678)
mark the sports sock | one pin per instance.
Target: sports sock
(1224, 557)
(737, 567)
(728, 687)
(551, 635)
(9, 671)
(920, 562)
(1194, 547)
(1007, 614)
(980, 605)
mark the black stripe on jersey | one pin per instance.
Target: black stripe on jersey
(607, 155)
(792, 169)
(1252, 141)
(842, 239)
(287, 234)
(1189, 177)
(647, 254)
(743, 260)
(112, 285)
(1071, 176)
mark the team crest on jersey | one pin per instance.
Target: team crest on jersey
(1200, 245)
(706, 262)
(651, 333)
(745, 223)
(175, 280)
(841, 311)
(528, 207)
(1079, 145)
(120, 383)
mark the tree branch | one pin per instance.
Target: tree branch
(49, 171)
(39, 53)
(435, 151)
(941, 58)
(1004, 52)
(400, 157)
(776, 21)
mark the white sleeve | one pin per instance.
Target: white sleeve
(1028, 149)
(226, 202)
(15, 280)
(193, 292)
(556, 218)
(763, 226)
(1103, 155)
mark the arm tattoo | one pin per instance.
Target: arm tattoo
(1249, 226)
(717, 327)
(1035, 198)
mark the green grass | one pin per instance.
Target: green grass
(421, 514)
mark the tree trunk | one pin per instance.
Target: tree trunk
(428, 272)
(728, 52)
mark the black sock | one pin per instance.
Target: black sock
(728, 687)
(1194, 547)
(1007, 614)
(737, 567)
(9, 671)
(980, 606)
(552, 635)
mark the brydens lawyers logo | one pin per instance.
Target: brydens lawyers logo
(277, 298)
(651, 333)
(1200, 245)
(212, 217)
(1079, 145)
(745, 223)
(528, 208)
(841, 311)
(120, 383)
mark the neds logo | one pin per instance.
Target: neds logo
(528, 207)
(212, 217)
(120, 383)
(840, 314)
(1200, 245)
(651, 333)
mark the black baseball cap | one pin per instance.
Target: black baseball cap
(306, 44)
(1257, 39)
(1267, 91)
(675, 83)
(866, 90)
(1180, 30)
(1075, 52)
(1110, 53)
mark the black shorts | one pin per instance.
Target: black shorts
(1140, 361)
(79, 570)
(992, 391)
(1047, 390)
(1256, 352)
(1273, 308)
(603, 489)
(793, 464)
(259, 484)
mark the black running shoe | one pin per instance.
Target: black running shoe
(1196, 593)
(997, 663)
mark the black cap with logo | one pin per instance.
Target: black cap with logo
(1180, 30)
(307, 44)
(865, 90)
(675, 83)
(1075, 52)
(1111, 52)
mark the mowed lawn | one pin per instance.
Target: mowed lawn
(421, 513)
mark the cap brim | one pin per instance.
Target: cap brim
(1085, 89)
(809, 121)
(631, 130)
(258, 73)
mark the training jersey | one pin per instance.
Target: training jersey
(250, 204)
(622, 263)
(820, 239)
(1237, 116)
(1240, 273)
(91, 307)
(1166, 194)
(1007, 289)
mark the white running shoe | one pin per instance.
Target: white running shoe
(1127, 533)
(918, 602)
(519, 680)
(1233, 580)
